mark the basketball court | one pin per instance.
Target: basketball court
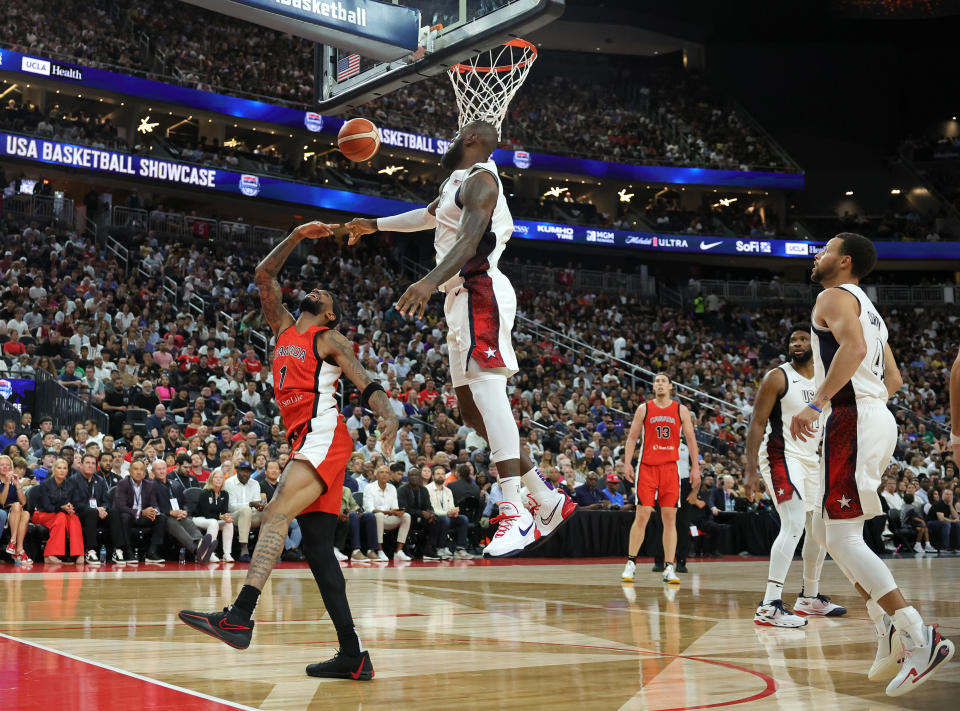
(468, 634)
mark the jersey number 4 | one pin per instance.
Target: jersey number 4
(876, 364)
(663, 432)
(283, 376)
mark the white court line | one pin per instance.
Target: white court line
(134, 675)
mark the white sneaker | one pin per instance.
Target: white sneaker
(774, 614)
(382, 557)
(339, 555)
(92, 558)
(227, 558)
(670, 575)
(118, 558)
(927, 548)
(515, 532)
(920, 658)
(400, 555)
(818, 605)
(917, 548)
(444, 553)
(549, 518)
(627, 575)
(213, 558)
(889, 648)
(461, 554)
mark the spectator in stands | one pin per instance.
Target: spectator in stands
(414, 499)
(464, 486)
(911, 518)
(45, 426)
(943, 521)
(55, 510)
(116, 402)
(724, 499)
(351, 520)
(90, 503)
(702, 518)
(891, 495)
(613, 493)
(12, 510)
(9, 434)
(213, 517)
(183, 473)
(380, 499)
(247, 502)
(172, 504)
(450, 518)
(69, 378)
(136, 502)
(589, 496)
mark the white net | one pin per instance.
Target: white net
(486, 84)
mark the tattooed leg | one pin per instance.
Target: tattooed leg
(298, 488)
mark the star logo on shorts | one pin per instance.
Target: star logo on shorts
(780, 491)
(844, 502)
(490, 352)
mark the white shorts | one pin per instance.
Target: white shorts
(789, 477)
(479, 316)
(858, 441)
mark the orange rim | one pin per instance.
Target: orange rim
(517, 42)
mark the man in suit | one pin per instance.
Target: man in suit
(589, 496)
(136, 504)
(173, 507)
(90, 502)
(414, 499)
(723, 498)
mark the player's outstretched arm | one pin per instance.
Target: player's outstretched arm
(636, 429)
(333, 344)
(478, 195)
(423, 218)
(265, 276)
(690, 435)
(771, 387)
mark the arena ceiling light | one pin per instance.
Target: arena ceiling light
(391, 169)
(895, 191)
(849, 193)
(146, 126)
(556, 191)
(231, 143)
(624, 195)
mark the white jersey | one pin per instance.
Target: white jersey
(449, 212)
(777, 441)
(867, 382)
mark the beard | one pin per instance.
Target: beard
(803, 359)
(310, 306)
(451, 159)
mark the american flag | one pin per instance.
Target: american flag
(348, 66)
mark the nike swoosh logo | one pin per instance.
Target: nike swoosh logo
(794, 381)
(709, 245)
(356, 674)
(546, 521)
(524, 533)
(224, 625)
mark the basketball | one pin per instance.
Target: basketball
(358, 140)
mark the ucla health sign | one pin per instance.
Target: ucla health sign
(178, 174)
(291, 118)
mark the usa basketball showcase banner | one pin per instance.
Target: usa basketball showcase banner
(178, 174)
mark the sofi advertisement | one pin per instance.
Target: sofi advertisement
(263, 187)
(288, 117)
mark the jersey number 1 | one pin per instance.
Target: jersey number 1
(283, 376)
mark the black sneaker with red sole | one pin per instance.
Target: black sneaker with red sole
(344, 667)
(222, 625)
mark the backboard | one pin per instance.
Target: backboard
(451, 31)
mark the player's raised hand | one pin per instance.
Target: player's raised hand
(388, 427)
(358, 227)
(316, 230)
(415, 298)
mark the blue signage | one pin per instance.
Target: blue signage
(296, 118)
(377, 29)
(270, 188)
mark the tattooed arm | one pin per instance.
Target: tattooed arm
(265, 277)
(333, 345)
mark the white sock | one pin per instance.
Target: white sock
(908, 620)
(539, 489)
(878, 616)
(811, 588)
(774, 592)
(510, 486)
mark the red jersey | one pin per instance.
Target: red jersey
(661, 434)
(304, 387)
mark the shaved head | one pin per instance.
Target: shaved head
(473, 144)
(485, 134)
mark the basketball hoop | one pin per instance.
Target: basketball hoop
(485, 85)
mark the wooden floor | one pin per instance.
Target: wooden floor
(544, 634)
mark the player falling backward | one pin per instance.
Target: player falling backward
(791, 473)
(855, 373)
(658, 477)
(308, 360)
(472, 226)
